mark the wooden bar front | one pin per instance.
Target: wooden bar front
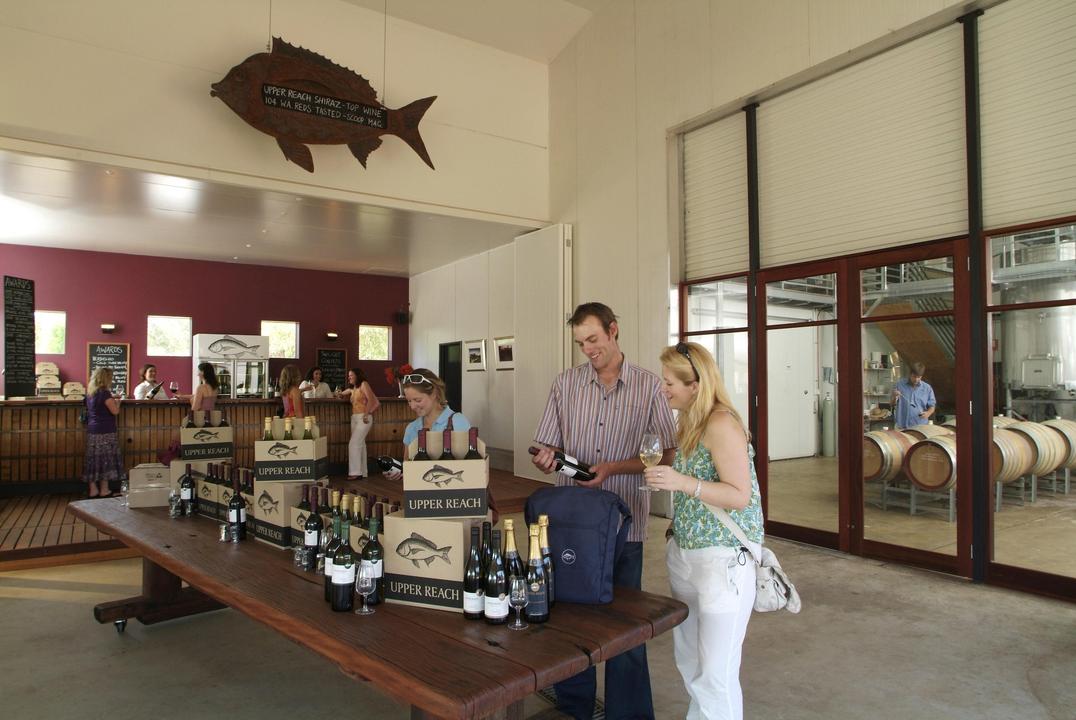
(42, 443)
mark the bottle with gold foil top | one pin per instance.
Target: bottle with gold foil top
(513, 564)
(267, 434)
(547, 558)
(287, 429)
(308, 431)
(537, 609)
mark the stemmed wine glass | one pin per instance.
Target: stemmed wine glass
(517, 597)
(650, 453)
(124, 488)
(364, 585)
(173, 387)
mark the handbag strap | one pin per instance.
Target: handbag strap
(723, 516)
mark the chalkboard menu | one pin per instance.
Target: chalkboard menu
(333, 364)
(19, 377)
(114, 356)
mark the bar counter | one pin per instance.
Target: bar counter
(42, 443)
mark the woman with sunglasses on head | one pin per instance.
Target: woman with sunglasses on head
(425, 393)
(708, 569)
(363, 405)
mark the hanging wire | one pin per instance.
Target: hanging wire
(269, 42)
(385, 53)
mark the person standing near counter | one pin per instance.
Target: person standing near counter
(102, 464)
(205, 395)
(363, 405)
(313, 388)
(148, 375)
(289, 390)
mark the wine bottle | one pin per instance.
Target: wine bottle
(373, 557)
(308, 431)
(487, 548)
(324, 500)
(156, 389)
(446, 445)
(342, 592)
(495, 589)
(304, 503)
(537, 610)
(287, 429)
(547, 559)
(190, 420)
(330, 554)
(188, 494)
(312, 537)
(336, 514)
(267, 433)
(567, 465)
(513, 565)
(473, 595)
(237, 513)
(422, 454)
(388, 464)
(223, 421)
(472, 445)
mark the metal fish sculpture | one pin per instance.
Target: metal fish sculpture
(441, 476)
(266, 502)
(281, 451)
(229, 346)
(418, 549)
(204, 435)
(302, 98)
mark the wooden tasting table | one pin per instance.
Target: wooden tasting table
(440, 664)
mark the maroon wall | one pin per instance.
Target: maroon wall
(93, 288)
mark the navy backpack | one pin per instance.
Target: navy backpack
(587, 531)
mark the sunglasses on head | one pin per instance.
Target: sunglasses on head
(415, 379)
(684, 350)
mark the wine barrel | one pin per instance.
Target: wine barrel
(1048, 448)
(1067, 430)
(931, 463)
(922, 432)
(1003, 421)
(950, 423)
(883, 454)
(1011, 455)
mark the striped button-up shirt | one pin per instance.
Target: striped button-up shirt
(597, 424)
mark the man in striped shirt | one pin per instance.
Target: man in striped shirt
(598, 413)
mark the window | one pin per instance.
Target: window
(168, 335)
(50, 332)
(283, 338)
(374, 342)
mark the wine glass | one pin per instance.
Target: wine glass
(173, 387)
(650, 453)
(125, 487)
(517, 597)
(364, 585)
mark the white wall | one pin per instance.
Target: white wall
(126, 82)
(636, 70)
(467, 300)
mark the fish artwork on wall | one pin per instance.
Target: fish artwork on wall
(302, 98)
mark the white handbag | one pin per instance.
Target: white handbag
(773, 589)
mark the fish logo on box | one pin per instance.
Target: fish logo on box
(568, 556)
(206, 435)
(228, 346)
(266, 503)
(441, 476)
(301, 520)
(205, 490)
(418, 549)
(281, 451)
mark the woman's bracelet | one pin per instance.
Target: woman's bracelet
(698, 490)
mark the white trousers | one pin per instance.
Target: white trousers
(719, 593)
(356, 447)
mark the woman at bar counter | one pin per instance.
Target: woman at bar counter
(425, 393)
(205, 395)
(363, 405)
(148, 375)
(313, 388)
(103, 464)
(289, 390)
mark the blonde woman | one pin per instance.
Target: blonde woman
(290, 378)
(708, 570)
(425, 393)
(102, 465)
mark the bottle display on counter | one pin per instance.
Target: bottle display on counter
(308, 428)
(473, 594)
(287, 429)
(267, 432)
(312, 530)
(421, 454)
(446, 445)
(373, 560)
(537, 609)
(388, 464)
(568, 465)
(472, 445)
(330, 554)
(237, 514)
(342, 591)
(495, 587)
(188, 493)
(304, 503)
(547, 559)
(513, 564)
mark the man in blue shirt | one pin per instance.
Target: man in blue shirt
(913, 399)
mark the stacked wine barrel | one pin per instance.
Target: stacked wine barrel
(926, 454)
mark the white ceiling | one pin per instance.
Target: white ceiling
(82, 206)
(536, 29)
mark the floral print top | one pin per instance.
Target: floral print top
(694, 524)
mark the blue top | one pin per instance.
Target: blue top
(101, 420)
(913, 400)
(459, 422)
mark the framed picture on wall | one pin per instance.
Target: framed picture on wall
(474, 355)
(502, 353)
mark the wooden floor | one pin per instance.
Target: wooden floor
(40, 526)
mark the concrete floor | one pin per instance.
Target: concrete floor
(874, 640)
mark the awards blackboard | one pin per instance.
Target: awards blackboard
(333, 364)
(114, 356)
(19, 377)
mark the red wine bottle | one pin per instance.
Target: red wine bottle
(537, 610)
(567, 465)
(388, 464)
(188, 493)
(473, 593)
(342, 592)
(446, 445)
(495, 600)
(472, 445)
(156, 389)
(304, 504)
(237, 513)
(312, 530)
(422, 454)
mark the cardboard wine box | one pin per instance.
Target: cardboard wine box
(291, 460)
(272, 510)
(206, 443)
(149, 496)
(425, 560)
(149, 475)
(209, 498)
(249, 498)
(446, 488)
